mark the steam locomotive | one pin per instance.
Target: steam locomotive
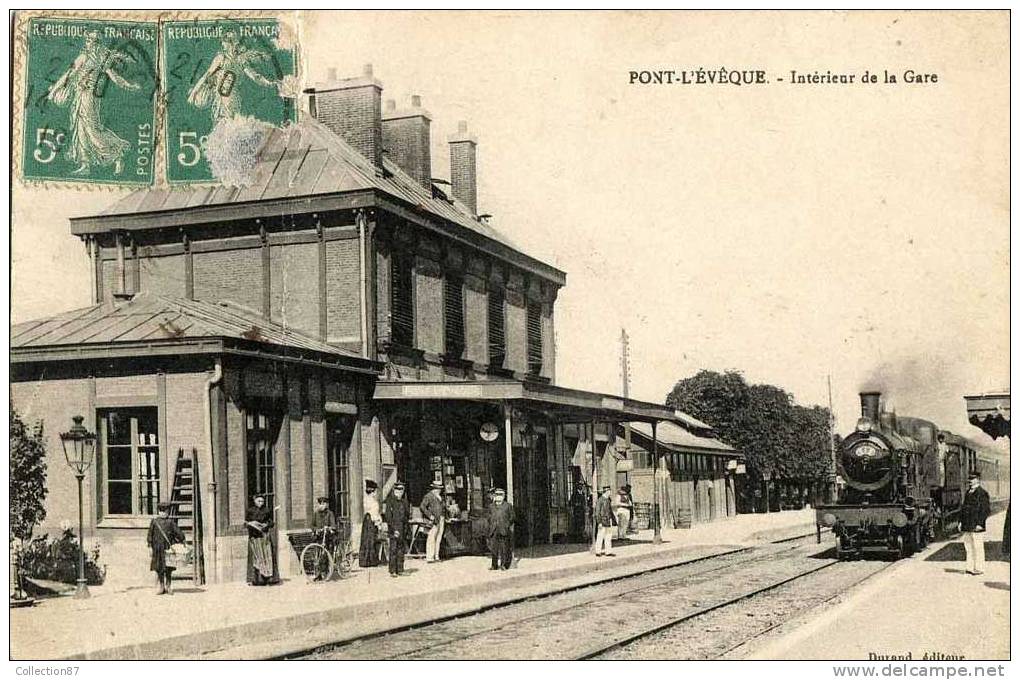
(903, 483)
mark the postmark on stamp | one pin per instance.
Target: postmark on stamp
(225, 82)
(89, 101)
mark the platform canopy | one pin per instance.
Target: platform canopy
(989, 412)
(563, 403)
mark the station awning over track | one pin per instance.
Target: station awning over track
(989, 412)
(563, 403)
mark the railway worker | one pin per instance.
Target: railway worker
(501, 531)
(973, 516)
(398, 521)
(622, 508)
(433, 509)
(605, 521)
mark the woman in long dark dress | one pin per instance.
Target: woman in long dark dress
(368, 552)
(262, 567)
(163, 533)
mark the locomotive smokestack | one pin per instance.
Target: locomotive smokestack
(869, 405)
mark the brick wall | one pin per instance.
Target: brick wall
(163, 275)
(343, 295)
(463, 173)
(230, 275)
(185, 421)
(299, 483)
(236, 482)
(294, 287)
(548, 343)
(428, 307)
(407, 142)
(355, 114)
(54, 403)
(111, 283)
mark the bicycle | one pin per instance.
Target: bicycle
(320, 560)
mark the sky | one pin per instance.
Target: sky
(791, 232)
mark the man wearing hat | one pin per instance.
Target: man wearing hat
(433, 509)
(973, 515)
(501, 531)
(397, 515)
(163, 533)
(323, 520)
(605, 521)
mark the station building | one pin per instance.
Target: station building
(342, 317)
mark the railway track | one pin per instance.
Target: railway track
(598, 620)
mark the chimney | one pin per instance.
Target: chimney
(406, 138)
(463, 167)
(352, 109)
(869, 406)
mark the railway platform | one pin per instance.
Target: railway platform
(235, 621)
(924, 605)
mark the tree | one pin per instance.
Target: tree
(712, 397)
(28, 477)
(780, 439)
(28, 484)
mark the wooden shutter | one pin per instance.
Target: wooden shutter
(402, 300)
(453, 301)
(497, 328)
(534, 338)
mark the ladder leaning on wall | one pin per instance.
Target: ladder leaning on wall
(186, 511)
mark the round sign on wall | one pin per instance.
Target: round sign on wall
(488, 432)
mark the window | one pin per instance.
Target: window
(534, 338)
(497, 328)
(130, 460)
(402, 300)
(339, 432)
(260, 437)
(453, 305)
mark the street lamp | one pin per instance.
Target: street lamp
(79, 445)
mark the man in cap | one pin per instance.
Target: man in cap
(433, 509)
(973, 515)
(501, 531)
(163, 534)
(605, 522)
(397, 515)
(323, 521)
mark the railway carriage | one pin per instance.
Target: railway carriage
(903, 482)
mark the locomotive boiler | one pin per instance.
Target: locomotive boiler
(903, 481)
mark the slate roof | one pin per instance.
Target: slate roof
(306, 159)
(150, 317)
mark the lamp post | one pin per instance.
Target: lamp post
(79, 445)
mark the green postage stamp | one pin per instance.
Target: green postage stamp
(225, 81)
(89, 101)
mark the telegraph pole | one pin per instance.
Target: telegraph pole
(832, 444)
(625, 374)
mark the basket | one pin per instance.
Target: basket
(177, 557)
